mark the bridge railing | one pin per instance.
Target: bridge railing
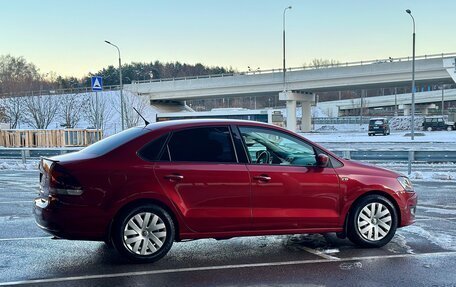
(308, 67)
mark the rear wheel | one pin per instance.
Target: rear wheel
(144, 233)
(372, 222)
(429, 129)
(449, 128)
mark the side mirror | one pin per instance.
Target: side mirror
(322, 160)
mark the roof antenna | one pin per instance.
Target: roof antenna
(145, 121)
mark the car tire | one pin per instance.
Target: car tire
(449, 128)
(429, 129)
(144, 233)
(372, 222)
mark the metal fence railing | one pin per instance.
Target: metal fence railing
(407, 156)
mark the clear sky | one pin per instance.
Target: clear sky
(67, 36)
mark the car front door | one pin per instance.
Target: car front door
(289, 191)
(199, 171)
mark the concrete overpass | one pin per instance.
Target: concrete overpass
(301, 82)
(333, 108)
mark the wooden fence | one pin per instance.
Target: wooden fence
(49, 138)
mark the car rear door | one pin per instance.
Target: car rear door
(200, 173)
(289, 191)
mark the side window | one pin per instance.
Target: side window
(273, 147)
(151, 151)
(207, 144)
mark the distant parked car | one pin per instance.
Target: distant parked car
(144, 188)
(437, 123)
(378, 126)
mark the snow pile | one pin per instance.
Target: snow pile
(340, 127)
(439, 238)
(18, 165)
(326, 128)
(403, 123)
(432, 176)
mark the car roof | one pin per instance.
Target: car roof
(202, 122)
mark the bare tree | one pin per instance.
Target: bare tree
(97, 117)
(13, 108)
(71, 107)
(321, 63)
(40, 111)
(132, 119)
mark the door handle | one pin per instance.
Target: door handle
(174, 177)
(263, 178)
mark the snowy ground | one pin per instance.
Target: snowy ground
(394, 137)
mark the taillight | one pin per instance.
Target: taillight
(62, 182)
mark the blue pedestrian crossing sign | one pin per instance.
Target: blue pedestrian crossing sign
(97, 84)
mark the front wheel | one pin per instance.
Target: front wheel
(372, 221)
(429, 129)
(449, 128)
(144, 233)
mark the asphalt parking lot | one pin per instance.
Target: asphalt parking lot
(423, 254)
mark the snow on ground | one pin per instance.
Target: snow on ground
(395, 137)
(17, 164)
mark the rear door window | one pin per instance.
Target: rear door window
(153, 149)
(205, 144)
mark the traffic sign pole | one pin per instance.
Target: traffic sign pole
(97, 85)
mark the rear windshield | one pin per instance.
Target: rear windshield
(108, 144)
(376, 122)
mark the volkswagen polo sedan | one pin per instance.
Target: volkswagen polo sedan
(147, 187)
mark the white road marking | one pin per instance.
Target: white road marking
(25, 238)
(220, 267)
(319, 253)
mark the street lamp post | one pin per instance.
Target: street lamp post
(283, 42)
(413, 79)
(121, 86)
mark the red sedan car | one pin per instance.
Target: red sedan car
(144, 188)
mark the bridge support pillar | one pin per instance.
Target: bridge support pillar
(291, 115)
(306, 100)
(427, 107)
(306, 120)
(406, 109)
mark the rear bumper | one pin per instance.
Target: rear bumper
(68, 222)
(376, 132)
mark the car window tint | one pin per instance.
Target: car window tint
(280, 148)
(208, 144)
(152, 150)
(108, 144)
